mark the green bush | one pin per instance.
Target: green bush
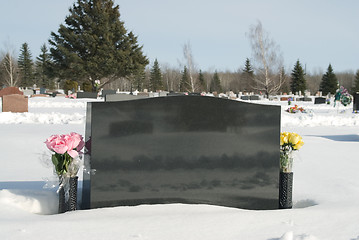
(70, 85)
(87, 87)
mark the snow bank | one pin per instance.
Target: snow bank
(39, 202)
(73, 111)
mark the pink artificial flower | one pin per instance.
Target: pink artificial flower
(58, 144)
(50, 142)
(71, 143)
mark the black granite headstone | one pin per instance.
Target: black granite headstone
(107, 91)
(305, 99)
(86, 95)
(356, 102)
(245, 97)
(253, 97)
(319, 100)
(184, 149)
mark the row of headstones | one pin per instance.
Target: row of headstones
(15, 100)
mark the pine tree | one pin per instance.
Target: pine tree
(139, 80)
(248, 67)
(248, 76)
(26, 66)
(329, 82)
(356, 83)
(201, 81)
(43, 70)
(216, 83)
(298, 82)
(184, 84)
(156, 77)
(94, 44)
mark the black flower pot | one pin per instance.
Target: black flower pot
(285, 190)
(62, 202)
(72, 204)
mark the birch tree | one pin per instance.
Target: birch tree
(268, 59)
(9, 70)
(187, 53)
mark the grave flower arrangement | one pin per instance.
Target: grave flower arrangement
(342, 95)
(295, 109)
(289, 142)
(66, 149)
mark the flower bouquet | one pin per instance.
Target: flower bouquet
(295, 109)
(342, 95)
(289, 142)
(66, 149)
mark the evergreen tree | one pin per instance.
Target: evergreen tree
(298, 82)
(216, 83)
(43, 70)
(156, 77)
(201, 81)
(94, 44)
(184, 84)
(356, 83)
(248, 67)
(248, 76)
(26, 66)
(139, 80)
(329, 82)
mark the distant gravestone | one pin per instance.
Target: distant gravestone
(9, 91)
(122, 97)
(245, 97)
(109, 91)
(356, 102)
(319, 100)
(40, 95)
(305, 99)
(42, 90)
(86, 95)
(175, 94)
(253, 97)
(145, 94)
(182, 149)
(14, 103)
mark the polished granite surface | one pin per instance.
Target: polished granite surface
(182, 149)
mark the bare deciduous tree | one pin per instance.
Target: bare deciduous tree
(9, 69)
(171, 77)
(268, 59)
(187, 52)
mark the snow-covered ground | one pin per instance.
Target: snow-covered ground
(326, 185)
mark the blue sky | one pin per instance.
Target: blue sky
(315, 32)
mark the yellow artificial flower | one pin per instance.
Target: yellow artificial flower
(298, 145)
(294, 138)
(283, 138)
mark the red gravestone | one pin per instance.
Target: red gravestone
(15, 103)
(10, 90)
